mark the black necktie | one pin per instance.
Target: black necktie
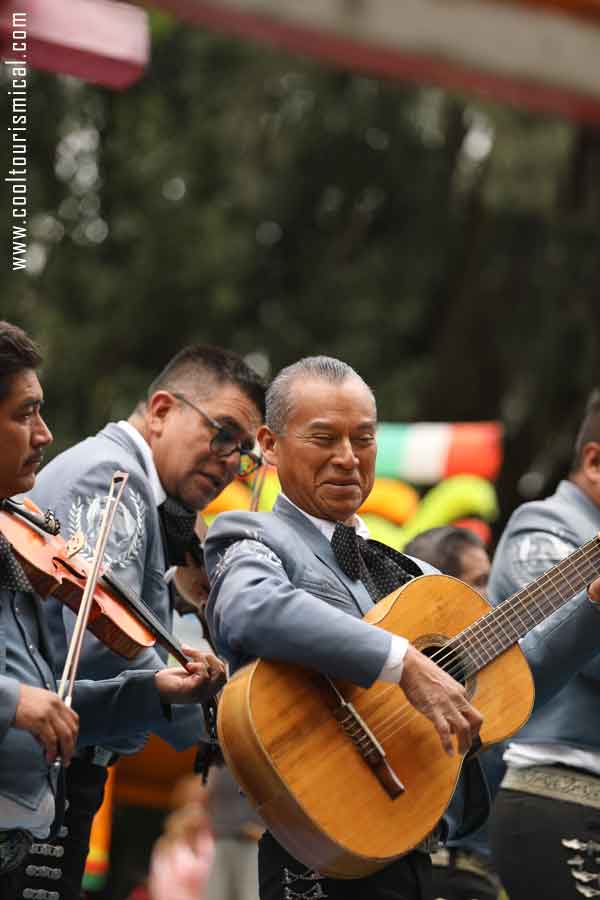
(178, 524)
(381, 568)
(12, 576)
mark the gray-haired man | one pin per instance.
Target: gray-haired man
(284, 592)
(285, 586)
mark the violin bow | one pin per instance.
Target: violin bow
(67, 681)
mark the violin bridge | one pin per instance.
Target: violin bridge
(74, 545)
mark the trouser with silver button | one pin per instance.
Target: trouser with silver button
(281, 877)
(545, 833)
(54, 869)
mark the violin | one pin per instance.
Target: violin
(55, 567)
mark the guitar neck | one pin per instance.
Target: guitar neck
(503, 626)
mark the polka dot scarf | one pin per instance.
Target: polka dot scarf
(12, 576)
(381, 568)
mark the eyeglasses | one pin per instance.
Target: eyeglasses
(225, 442)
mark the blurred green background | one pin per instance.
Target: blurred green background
(445, 247)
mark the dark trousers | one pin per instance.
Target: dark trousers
(57, 866)
(281, 877)
(453, 883)
(11, 885)
(545, 847)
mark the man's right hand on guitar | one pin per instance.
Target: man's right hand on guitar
(594, 591)
(442, 699)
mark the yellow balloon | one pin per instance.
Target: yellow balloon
(235, 496)
(394, 500)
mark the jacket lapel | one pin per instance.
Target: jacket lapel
(321, 548)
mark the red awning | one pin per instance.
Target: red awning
(97, 40)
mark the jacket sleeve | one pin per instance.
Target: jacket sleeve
(118, 707)
(124, 706)
(569, 638)
(254, 610)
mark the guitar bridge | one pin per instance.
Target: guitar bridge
(367, 745)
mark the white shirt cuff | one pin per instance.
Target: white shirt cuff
(394, 664)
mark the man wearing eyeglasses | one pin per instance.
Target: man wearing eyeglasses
(182, 445)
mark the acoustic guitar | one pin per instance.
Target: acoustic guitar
(350, 779)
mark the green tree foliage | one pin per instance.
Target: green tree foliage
(445, 247)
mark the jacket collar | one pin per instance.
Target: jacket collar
(573, 494)
(321, 547)
(118, 435)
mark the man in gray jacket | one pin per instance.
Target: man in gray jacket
(545, 828)
(281, 589)
(35, 726)
(293, 585)
(182, 445)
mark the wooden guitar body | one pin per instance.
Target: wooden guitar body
(306, 776)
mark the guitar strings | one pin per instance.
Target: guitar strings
(400, 718)
(508, 611)
(446, 656)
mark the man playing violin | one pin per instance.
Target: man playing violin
(36, 727)
(191, 435)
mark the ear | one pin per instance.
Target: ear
(158, 408)
(268, 444)
(591, 461)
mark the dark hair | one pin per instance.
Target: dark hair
(589, 430)
(279, 395)
(443, 547)
(17, 352)
(202, 367)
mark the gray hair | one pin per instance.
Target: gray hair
(279, 394)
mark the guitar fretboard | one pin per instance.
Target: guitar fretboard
(502, 627)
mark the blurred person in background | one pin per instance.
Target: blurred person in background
(182, 858)
(545, 827)
(454, 551)
(237, 829)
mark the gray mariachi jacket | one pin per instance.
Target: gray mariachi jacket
(278, 593)
(73, 485)
(128, 703)
(564, 652)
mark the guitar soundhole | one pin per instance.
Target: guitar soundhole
(451, 660)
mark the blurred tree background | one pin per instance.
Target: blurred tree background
(445, 247)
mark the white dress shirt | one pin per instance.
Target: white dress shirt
(394, 664)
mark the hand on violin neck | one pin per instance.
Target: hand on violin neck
(49, 720)
(203, 678)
